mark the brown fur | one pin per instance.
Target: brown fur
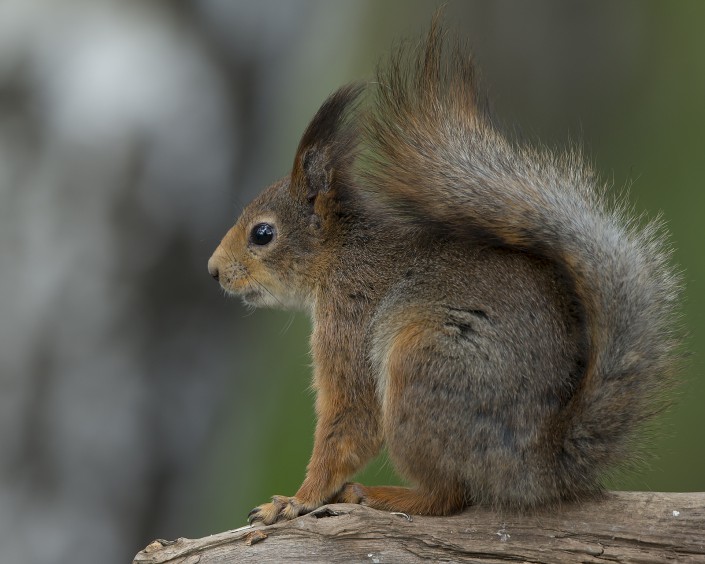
(478, 307)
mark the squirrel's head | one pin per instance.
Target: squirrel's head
(279, 246)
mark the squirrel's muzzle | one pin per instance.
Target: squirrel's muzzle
(213, 268)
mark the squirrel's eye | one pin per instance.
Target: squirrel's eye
(262, 234)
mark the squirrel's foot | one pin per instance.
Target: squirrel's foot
(281, 508)
(352, 492)
(404, 500)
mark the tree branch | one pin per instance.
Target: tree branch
(624, 526)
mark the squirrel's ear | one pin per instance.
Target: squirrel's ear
(317, 171)
(328, 146)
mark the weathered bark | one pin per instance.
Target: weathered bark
(623, 527)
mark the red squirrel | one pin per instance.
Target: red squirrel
(479, 306)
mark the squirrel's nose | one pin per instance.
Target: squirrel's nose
(213, 269)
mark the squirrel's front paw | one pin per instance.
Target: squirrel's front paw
(280, 509)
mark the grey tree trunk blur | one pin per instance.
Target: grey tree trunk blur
(126, 132)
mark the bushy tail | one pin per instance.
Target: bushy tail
(436, 158)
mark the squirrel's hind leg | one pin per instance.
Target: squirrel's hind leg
(416, 392)
(404, 500)
(432, 367)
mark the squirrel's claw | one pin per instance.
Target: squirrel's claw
(252, 515)
(281, 508)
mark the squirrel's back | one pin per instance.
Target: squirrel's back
(436, 160)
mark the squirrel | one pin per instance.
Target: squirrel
(480, 307)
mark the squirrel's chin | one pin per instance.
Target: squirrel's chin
(259, 298)
(252, 298)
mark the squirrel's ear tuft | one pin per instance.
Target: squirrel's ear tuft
(328, 146)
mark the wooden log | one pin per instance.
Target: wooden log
(622, 527)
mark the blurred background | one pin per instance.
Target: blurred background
(135, 400)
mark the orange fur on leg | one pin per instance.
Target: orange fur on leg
(404, 500)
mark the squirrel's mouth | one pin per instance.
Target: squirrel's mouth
(241, 288)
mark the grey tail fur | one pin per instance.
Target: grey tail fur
(436, 158)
